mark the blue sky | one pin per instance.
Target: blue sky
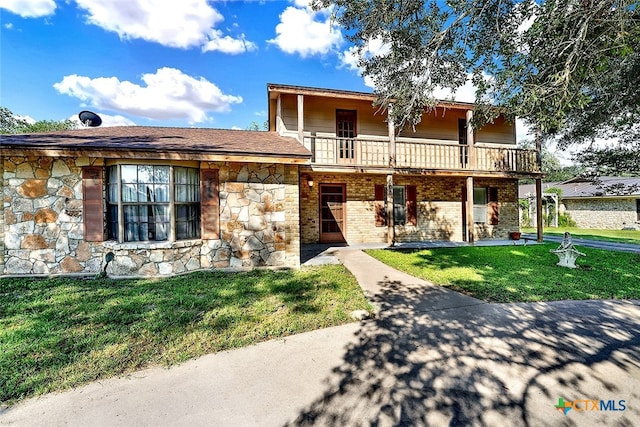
(164, 63)
(187, 63)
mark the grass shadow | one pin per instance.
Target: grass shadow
(62, 332)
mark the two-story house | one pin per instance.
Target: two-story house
(367, 182)
(147, 201)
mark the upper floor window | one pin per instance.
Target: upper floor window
(153, 202)
(462, 131)
(345, 132)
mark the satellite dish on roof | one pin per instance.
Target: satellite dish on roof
(90, 119)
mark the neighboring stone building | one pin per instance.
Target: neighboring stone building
(165, 201)
(612, 203)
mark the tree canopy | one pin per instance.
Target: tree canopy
(570, 68)
(11, 124)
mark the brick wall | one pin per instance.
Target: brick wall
(439, 202)
(292, 215)
(509, 209)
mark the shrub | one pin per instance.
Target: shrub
(565, 220)
(525, 219)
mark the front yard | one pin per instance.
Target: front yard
(60, 333)
(521, 273)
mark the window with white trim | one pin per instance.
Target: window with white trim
(153, 202)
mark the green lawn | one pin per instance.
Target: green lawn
(521, 273)
(621, 236)
(60, 333)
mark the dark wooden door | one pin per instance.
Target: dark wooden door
(332, 213)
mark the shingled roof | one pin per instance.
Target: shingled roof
(197, 142)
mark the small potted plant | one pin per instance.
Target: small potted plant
(515, 235)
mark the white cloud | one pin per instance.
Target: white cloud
(350, 57)
(465, 93)
(302, 3)
(167, 94)
(27, 119)
(107, 120)
(523, 131)
(8, 26)
(227, 44)
(181, 24)
(299, 32)
(29, 8)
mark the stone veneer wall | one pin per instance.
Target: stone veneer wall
(439, 208)
(43, 230)
(612, 214)
(258, 216)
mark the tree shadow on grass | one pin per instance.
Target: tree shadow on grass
(66, 332)
(435, 357)
(528, 273)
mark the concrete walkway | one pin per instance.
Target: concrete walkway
(432, 357)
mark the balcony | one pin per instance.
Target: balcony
(423, 155)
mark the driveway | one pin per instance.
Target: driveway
(432, 357)
(436, 357)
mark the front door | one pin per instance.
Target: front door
(332, 213)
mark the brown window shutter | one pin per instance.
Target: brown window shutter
(92, 204)
(494, 208)
(379, 206)
(412, 205)
(209, 204)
